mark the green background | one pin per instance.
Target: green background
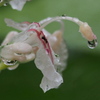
(82, 75)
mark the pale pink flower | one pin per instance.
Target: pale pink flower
(48, 51)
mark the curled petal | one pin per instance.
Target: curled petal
(13, 67)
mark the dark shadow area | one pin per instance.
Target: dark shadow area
(81, 80)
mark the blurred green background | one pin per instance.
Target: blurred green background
(82, 75)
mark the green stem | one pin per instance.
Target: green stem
(3, 66)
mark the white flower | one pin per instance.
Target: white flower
(48, 50)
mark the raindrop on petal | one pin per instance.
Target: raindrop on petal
(10, 62)
(92, 44)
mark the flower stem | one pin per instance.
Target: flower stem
(3, 66)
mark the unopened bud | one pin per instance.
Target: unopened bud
(86, 31)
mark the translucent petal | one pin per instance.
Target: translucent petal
(47, 84)
(19, 26)
(59, 46)
(63, 55)
(17, 4)
(44, 63)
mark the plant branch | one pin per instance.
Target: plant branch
(3, 66)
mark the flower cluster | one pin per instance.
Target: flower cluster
(48, 51)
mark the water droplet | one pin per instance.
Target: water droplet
(57, 60)
(5, 4)
(57, 57)
(10, 62)
(64, 15)
(92, 44)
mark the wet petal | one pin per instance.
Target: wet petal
(47, 84)
(17, 4)
(44, 63)
(19, 26)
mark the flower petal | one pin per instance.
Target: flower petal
(44, 63)
(17, 4)
(13, 67)
(47, 84)
(19, 26)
